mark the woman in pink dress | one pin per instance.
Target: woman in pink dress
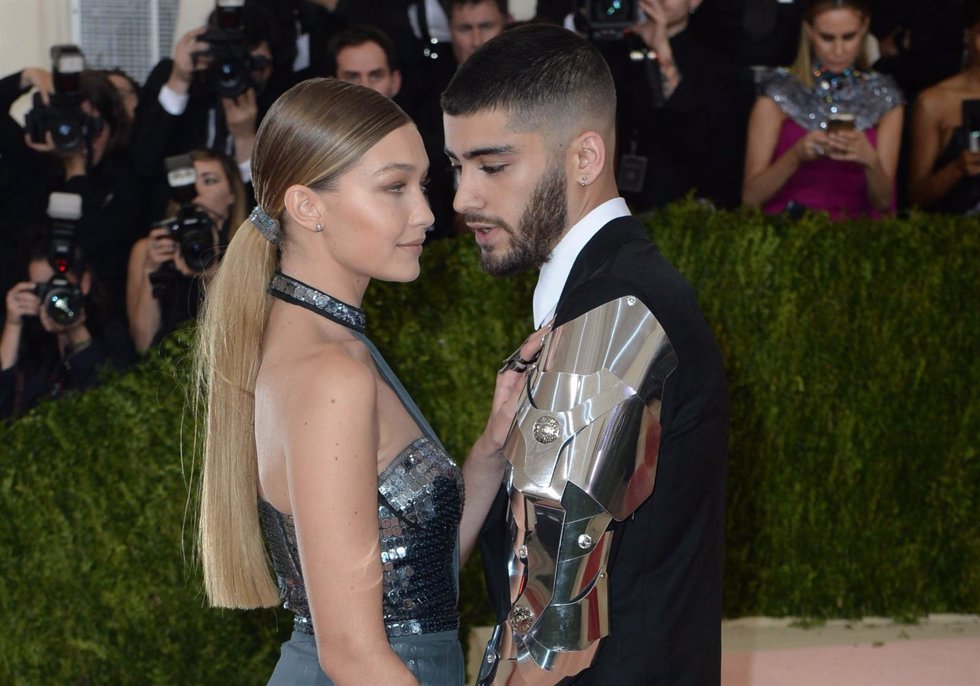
(825, 134)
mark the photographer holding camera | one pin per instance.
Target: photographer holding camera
(212, 94)
(166, 268)
(75, 142)
(56, 335)
(682, 116)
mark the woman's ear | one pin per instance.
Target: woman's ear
(305, 207)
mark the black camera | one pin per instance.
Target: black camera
(230, 73)
(62, 299)
(606, 19)
(191, 228)
(70, 127)
(193, 231)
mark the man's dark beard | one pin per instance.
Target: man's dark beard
(538, 231)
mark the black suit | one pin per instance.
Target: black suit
(666, 563)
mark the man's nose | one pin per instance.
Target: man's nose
(466, 198)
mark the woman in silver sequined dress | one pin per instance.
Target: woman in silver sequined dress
(315, 456)
(825, 134)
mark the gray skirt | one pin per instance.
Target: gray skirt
(435, 659)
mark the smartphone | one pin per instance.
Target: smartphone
(840, 121)
(971, 122)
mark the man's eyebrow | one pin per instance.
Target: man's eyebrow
(486, 150)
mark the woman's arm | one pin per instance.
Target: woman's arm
(330, 442)
(926, 184)
(879, 162)
(483, 469)
(763, 179)
(142, 308)
(21, 302)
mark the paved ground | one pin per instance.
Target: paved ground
(939, 650)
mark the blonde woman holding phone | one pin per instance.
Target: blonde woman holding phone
(825, 134)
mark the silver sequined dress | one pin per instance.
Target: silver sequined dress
(420, 503)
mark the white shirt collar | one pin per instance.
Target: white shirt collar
(554, 272)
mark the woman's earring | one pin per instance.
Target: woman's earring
(584, 180)
(318, 228)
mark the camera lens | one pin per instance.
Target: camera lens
(67, 135)
(194, 232)
(197, 248)
(63, 304)
(231, 78)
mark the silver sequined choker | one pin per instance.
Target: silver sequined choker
(267, 226)
(298, 293)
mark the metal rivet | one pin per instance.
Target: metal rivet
(584, 541)
(631, 301)
(522, 618)
(522, 552)
(546, 430)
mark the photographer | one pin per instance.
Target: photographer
(212, 94)
(75, 142)
(59, 342)
(682, 121)
(163, 288)
(21, 193)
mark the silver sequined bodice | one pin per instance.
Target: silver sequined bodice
(420, 502)
(868, 96)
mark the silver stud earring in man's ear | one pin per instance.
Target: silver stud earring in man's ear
(318, 228)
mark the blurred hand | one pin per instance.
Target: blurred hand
(814, 145)
(22, 302)
(240, 114)
(159, 249)
(38, 78)
(185, 64)
(653, 31)
(970, 163)
(852, 146)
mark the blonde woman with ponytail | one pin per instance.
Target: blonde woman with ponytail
(315, 457)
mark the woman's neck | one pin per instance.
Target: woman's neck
(335, 282)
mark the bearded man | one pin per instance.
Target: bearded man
(603, 548)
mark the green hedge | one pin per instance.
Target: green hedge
(853, 479)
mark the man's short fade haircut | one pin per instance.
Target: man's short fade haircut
(540, 74)
(361, 34)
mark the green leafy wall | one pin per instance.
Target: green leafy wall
(853, 478)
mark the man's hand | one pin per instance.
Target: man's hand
(240, 113)
(35, 77)
(653, 31)
(185, 64)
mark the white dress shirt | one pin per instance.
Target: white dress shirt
(554, 272)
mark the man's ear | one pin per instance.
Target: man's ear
(589, 157)
(304, 207)
(86, 282)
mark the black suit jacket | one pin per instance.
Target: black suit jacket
(666, 564)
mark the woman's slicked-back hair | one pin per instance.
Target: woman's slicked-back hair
(314, 133)
(310, 136)
(537, 73)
